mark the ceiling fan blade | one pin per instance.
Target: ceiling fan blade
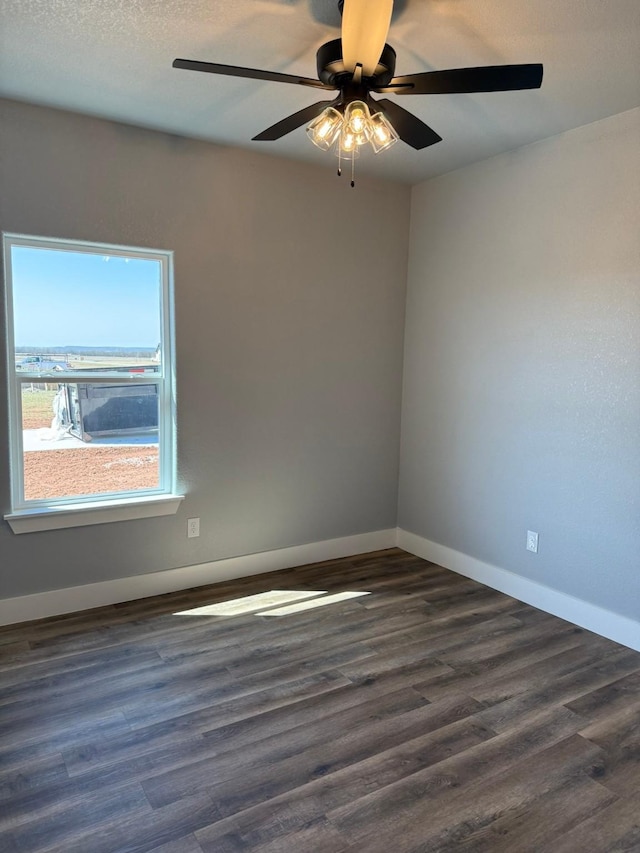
(409, 128)
(253, 73)
(489, 78)
(292, 122)
(365, 24)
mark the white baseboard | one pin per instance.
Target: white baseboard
(58, 601)
(608, 624)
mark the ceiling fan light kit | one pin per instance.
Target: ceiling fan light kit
(347, 130)
(358, 64)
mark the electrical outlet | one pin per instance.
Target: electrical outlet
(193, 527)
(532, 541)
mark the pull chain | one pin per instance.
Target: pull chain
(353, 171)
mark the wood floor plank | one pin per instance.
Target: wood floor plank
(140, 833)
(465, 812)
(40, 742)
(311, 723)
(308, 664)
(47, 772)
(433, 714)
(491, 678)
(514, 640)
(236, 794)
(285, 813)
(603, 670)
(277, 763)
(41, 734)
(141, 714)
(451, 626)
(484, 761)
(37, 823)
(319, 836)
(538, 674)
(10, 649)
(187, 844)
(274, 702)
(261, 824)
(619, 737)
(617, 695)
(104, 682)
(615, 829)
(532, 827)
(33, 664)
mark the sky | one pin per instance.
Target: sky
(63, 298)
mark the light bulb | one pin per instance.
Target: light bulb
(356, 119)
(383, 135)
(347, 145)
(324, 129)
(348, 141)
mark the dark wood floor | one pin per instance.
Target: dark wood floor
(431, 715)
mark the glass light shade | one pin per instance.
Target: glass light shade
(383, 135)
(323, 130)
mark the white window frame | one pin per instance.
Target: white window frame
(27, 516)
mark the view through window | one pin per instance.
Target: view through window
(90, 360)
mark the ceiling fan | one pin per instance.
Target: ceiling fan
(361, 63)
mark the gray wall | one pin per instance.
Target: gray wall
(521, 405)
(521, 399)
(290, 293)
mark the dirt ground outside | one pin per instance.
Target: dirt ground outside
(68, 472)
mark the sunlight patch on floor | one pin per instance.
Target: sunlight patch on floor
(249, 603)
(309, 605)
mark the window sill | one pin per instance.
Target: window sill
(81, 514)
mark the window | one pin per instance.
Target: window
(91, 399)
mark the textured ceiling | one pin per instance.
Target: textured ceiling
(112, 58)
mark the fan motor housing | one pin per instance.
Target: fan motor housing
(331, 68)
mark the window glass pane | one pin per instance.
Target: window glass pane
(91, 405)
(82, 310)
(88, 439)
